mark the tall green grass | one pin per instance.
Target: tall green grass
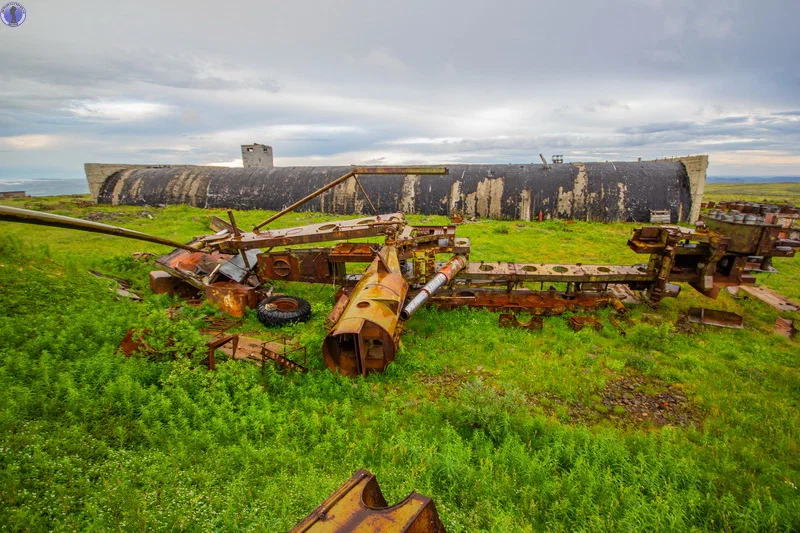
(479, 418)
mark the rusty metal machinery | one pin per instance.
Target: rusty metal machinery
(359, 506)
(231, 267)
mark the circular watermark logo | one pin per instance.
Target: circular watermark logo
(13, 14)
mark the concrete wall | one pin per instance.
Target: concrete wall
(588, 191)
(257, 155)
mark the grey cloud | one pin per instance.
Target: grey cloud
(620, 79)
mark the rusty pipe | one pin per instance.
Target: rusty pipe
(26, 216)
(354, 172)
(445, 274)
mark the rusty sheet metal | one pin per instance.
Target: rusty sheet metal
(785, 327)
(771, 298)
(309, 266)
(165, 283)
(507, 320)
(540, 272)
(276, 350)
(366, 336)
(232, 298)
(577, 323)
(715, 317)
(355, 252)
(546, 303)
(358, 506)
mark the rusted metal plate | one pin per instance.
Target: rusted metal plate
(358, 506)
(357, 252)
(577, 323)
(771, 298)
(309, 266)
(280, 350)
(232, 298)
(715, 317)
(785, 327)
(165, 283)
(507, 320)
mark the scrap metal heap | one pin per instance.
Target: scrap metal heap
(232, 267)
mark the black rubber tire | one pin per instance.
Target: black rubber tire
(281, 309)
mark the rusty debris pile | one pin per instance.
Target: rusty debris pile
(234, 268)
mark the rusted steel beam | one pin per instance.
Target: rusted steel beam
(367, 226)
(545, 303)
(26, 216)
(359, 506)
(536, 272)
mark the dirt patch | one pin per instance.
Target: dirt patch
(639, 401)
(449, 382)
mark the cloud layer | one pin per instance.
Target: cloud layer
(398, 83)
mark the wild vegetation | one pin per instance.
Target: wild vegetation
(671, 427)
(754, 192)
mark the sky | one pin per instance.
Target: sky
(412, 82)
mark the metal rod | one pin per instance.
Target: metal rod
(300, 202)
(353, 172)
(445, 274)
(26, 216)
(238, 233)
(366, 196)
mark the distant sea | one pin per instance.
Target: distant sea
(47, 187)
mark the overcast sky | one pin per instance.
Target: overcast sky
(375, 82)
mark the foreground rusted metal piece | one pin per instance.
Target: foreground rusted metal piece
(365, 336)
(577, 323)
(715, 317)
(358, 506)
(785, 327)
(507, 320)
(233, 267)
(771, 298)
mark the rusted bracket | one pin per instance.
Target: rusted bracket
(715, 317)
(359, 505)
(507, 320)
(577, 323)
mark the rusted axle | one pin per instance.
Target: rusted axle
(445, 274)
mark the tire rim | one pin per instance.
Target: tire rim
(284, 304)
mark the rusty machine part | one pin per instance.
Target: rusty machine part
(359, 506)
(450, 269)
(507, 320)
(785, 327)
(577, 323)
(231, 266)
(715, 317)
(365, 336)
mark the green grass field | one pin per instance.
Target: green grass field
(670, 428)
(754, 192)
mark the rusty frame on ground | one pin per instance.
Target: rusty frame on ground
(411, 266)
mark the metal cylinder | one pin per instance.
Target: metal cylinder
(445, 274)
(26, 216)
